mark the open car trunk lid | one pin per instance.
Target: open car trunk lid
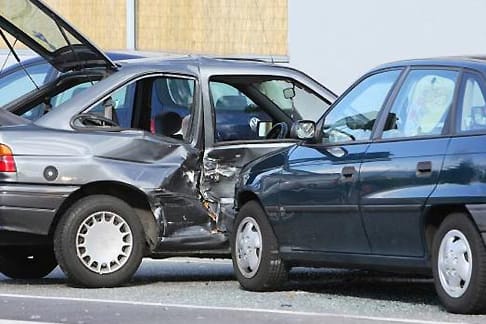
(37, 26)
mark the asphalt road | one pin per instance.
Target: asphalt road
(205, 291)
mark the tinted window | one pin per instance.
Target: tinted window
(473, 104)
(16, 84)
(422, 104)
(353, 117)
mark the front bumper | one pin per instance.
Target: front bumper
(29, 209)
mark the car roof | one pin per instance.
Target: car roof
(115, 56)
(199, 64)
(476, 62)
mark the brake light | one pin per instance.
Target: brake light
(7, 162)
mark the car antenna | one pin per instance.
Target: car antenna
(12, 50)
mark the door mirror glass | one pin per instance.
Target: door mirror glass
(303, 129)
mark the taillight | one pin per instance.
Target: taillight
(152, 126)
(7, 162)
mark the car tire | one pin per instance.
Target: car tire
(459, 265)
(27, 262)
(99, 242)
(255, 251)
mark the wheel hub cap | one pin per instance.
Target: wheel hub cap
(104, 242)
(248, 247)
(455, 263)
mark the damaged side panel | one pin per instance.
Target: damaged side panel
(167, 171)
(222, 165)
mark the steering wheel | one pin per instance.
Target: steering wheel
(278, 131)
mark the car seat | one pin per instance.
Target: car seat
(168, 124)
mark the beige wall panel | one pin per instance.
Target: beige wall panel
(221, 27)
(213, 26)
(102, 21)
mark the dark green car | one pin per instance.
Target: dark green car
(393, 178)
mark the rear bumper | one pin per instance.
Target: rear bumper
(29, 209)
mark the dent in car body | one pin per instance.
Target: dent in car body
(166, 171)
(222, 166)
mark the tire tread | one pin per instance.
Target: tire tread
(273, 270)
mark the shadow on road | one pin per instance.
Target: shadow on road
(364, 284)
(333, 282)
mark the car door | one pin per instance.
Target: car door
(319, 191)
(155, 152)
(462, 178)
(240, 110)
(402, 166)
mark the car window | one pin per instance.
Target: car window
(295, 100)
(236, 115)
(422, 104)
(163, 106)
(353, 117)
(47, 105)
(17, 83)
(473, 104)
(118, 107)
(172, 107)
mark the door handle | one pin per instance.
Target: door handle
(424, 167)
(348, 172)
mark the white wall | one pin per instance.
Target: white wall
(336, 41)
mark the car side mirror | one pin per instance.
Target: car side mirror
(303, 130)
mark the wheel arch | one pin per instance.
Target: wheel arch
(245, 196)
(433, 218)
(130, 194)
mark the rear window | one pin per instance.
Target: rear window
(36, 24)
(17, 83)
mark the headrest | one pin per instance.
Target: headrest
(231, 103)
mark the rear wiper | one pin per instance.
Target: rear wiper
(17, 58)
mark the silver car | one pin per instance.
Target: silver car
(111, 163)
